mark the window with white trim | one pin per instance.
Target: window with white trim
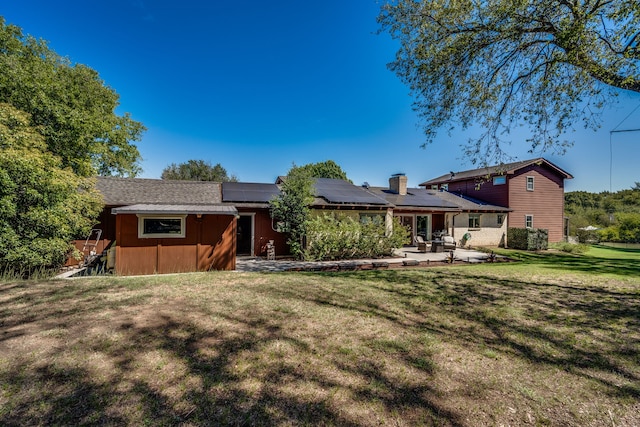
(474, 220)
(528, 221)
(434, 186)
(444, 187)
(499, 180)
(530, 183)
(165, 226)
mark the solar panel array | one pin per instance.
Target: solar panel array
(420, 197)
(338, 191)
(248, 192)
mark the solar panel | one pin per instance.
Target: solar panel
(339, 191)
(248, 192)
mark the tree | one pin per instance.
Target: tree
(43, 206)
(499, 63)
(69, 105)
(291, 208)
(326, 169)
(197, 170)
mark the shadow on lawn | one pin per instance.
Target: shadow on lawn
(554, 325)
(169, 370)
(583, 263)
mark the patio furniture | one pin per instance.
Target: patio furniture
(448, 243)
(437, 246)
(422, 245)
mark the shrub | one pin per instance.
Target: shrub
(570, 247)
(529, 239)
(331, 237)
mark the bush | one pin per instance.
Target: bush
(332, 237)
(529, 239)
(570, 247)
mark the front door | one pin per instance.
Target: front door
(244, 235)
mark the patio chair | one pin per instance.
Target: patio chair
(422, 245)
(448, 243)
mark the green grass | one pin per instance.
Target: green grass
(553, 340)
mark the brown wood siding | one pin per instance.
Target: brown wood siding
(209, 244)
(106, 223)
(545, 202)
(483, 190)
(263, 232)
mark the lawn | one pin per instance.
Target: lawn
(551, 340)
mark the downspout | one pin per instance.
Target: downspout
(453, 225)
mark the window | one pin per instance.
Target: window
(434, 186)
(372, 218)
(500, 219)
(529, 183)
(164, 226)
(444, 187)
(499, 180)
(474, 220)
(528, 221)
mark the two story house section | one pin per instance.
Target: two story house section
(532, 189)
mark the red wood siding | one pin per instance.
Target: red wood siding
(209, 244)
(545, 202)
(106, 223)
(263, 232)
(483, 190)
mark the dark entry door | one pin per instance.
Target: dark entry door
(244, 235)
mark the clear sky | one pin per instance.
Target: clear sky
(260, 85)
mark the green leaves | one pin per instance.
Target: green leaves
(69, 105)
(43, 206)
(197, 170)
(501, 63)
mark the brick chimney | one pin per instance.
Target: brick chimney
(398, 184)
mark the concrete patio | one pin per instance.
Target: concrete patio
(408, 256)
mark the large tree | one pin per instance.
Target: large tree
(43, 205)
(548, 64)
(326, 169)
(69, 105)
(197, 170)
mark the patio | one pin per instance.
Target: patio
(402, 257)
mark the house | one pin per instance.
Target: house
(533, 191)
(159, 226)
(256, 227)
(429, 213)
(163, 226)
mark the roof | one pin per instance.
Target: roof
(339, 192)
(466, 203)
(131, 191)
(505, 168)
(246, 192)
(176, 209)
(417, 198)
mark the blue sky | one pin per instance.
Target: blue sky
(258, 86)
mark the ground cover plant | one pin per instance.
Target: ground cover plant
(552, 340)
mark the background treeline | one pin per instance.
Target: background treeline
(616, 215)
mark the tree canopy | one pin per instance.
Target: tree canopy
(326, 169)
(197, 170)
(497, 64)
(43, 206)
(291, 208)
(72, 108)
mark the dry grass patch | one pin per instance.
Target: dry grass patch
(485, 345)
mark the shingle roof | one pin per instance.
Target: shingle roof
(176, 209)
(506, 168)
(467, 203)
(131, 191)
